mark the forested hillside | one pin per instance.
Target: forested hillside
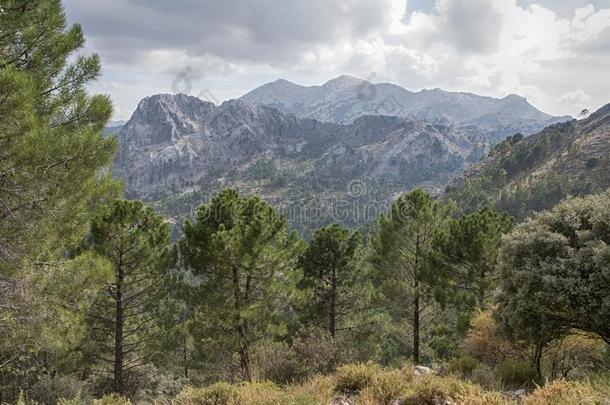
(523, 174)
(436, 303)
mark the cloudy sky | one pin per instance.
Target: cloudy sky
(554, 52)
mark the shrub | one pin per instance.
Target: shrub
(112, 399)
(319, 387)
(463, 365)
(431, 389)
(516, 374)
(390, 385)
(575, 356)
(312, 352)
(316, 352)
(485, 343)
(49, 390)
(354, 377)
(483, 375)
(276, 361)
(73, 401)
(561, 392)
(216, 394)
(265, 393)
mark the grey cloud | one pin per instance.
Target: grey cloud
(257, 31)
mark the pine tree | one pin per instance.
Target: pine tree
(51, 147)
(331, 273)
(52, 156)
(402, 249)
(468, 250)
(244, 260)
(134, 239)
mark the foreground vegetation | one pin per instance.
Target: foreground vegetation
(97, 300)
(369, 384)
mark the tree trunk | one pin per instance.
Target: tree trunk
(538, 358)
(244, 360)
(118, 334)
(240, 326)
(482, 288)
(332, 322)
(185, 357)
(416, 329)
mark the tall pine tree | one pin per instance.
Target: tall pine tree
(244, 261)
(51, 158)
(401, 251)
(331, 273)
(469, 252)
(135, 240)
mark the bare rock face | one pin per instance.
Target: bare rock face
(346, 98)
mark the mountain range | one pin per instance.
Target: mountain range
(346, 98)
(312, 151)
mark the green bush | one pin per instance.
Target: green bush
(316, 352)
(483, 375)
(275, 361)
(463, 365)
(312, 352)
(216, 394)
(50, 389)
(516, 374)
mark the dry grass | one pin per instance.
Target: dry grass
(369, 384)
(561, 392)
(112, 399)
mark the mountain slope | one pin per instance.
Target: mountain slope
(522, 175)
(346, 98)
(177, 150)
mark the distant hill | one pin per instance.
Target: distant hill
(522, 175)
(344, 99)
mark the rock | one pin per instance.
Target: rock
(343, 400)
(515, 395)
(421, 370)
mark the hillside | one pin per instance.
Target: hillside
(177, 150)
(346, 98)
(526, 174)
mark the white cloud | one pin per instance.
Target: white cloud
(575, 97)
